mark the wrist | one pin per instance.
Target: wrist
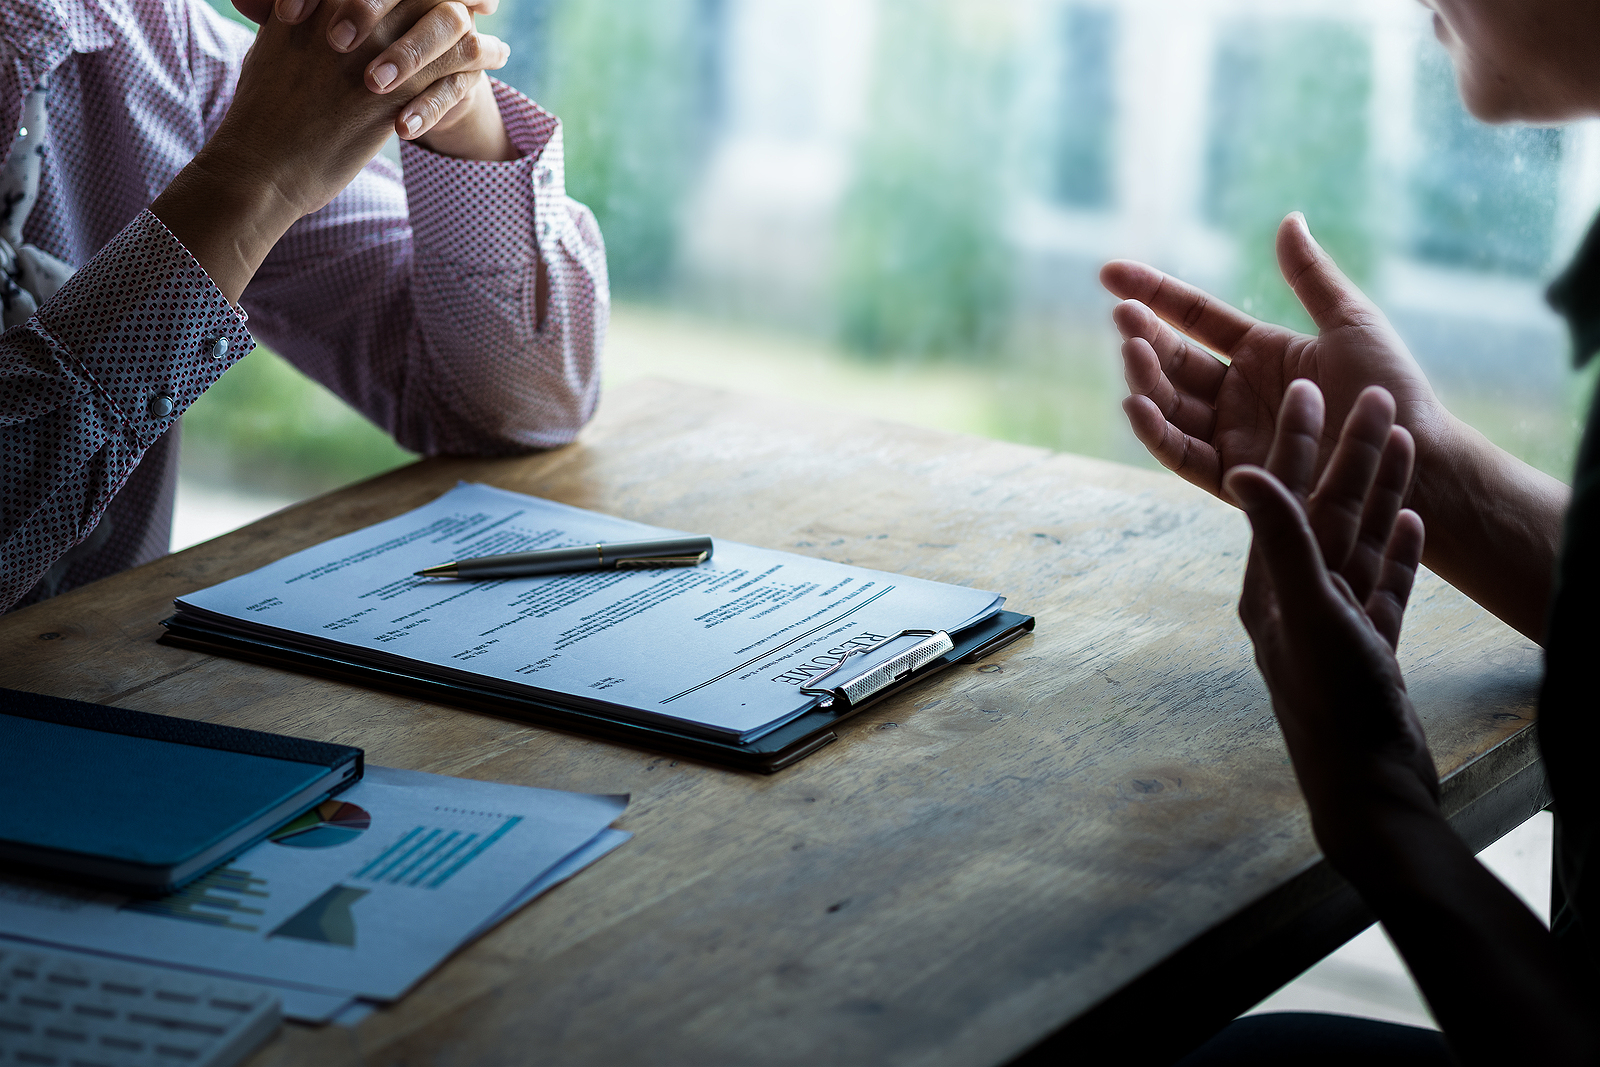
(1493, 523)
(228, 216)
(476, 130)
(1375, 830)
(1445, 454)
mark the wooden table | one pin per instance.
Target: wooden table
(1097, 827)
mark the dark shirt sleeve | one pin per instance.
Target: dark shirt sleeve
(1568, 732)
(90, 383)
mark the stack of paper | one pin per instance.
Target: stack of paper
(352, 903)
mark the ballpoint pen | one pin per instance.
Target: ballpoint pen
(620, 555)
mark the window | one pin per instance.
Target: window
(1288, 132)
(1483, 197)
(899, 206)
(1086, 109)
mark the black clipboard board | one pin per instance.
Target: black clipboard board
(767, 754)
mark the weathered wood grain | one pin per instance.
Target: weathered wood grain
(971, 865)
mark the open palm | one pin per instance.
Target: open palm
(1201, 416)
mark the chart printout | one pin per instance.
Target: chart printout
(363, 896)
(722, 648)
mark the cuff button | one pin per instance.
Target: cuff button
(160, 406)
(216, 348)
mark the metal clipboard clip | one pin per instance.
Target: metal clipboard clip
(934, 644)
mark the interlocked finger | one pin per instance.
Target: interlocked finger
(434, 103)
(351, 22)
(434, 34)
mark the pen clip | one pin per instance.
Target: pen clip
(647, 562)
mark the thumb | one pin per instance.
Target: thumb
(1330, 298)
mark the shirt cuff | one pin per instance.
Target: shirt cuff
(498, 215)
(146, 327)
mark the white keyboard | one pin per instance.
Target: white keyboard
(62, 1009)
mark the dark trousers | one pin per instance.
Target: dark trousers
(1314, 1039)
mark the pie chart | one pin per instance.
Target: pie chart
(333, 822)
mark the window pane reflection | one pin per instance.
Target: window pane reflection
(899, 206)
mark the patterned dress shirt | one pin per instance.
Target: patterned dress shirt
(413, 298)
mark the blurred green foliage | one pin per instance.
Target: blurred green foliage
(1288, 132)
(267, 426)
(630, 80)
(1543, 434)
(923, 263)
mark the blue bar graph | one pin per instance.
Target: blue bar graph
(430, 856)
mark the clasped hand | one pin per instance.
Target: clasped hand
(319, 93)
(1331, 567)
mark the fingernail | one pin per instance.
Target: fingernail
(384, 75)
(291, 10)
(343, 35)
(413, 124)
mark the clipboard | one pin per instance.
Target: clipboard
(850, 689)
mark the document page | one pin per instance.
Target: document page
(722, 648)
(362, 896)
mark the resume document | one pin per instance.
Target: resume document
(722, 649)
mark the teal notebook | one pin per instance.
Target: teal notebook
(147, 802)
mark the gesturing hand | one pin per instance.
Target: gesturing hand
(1330, 571)
(1201, 416)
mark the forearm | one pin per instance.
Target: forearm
(503, 239)
(106, 368)
(476, 328)
(1469, 942)
(1493, 523)
(445, 356)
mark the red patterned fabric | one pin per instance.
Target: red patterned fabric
(424, 319)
